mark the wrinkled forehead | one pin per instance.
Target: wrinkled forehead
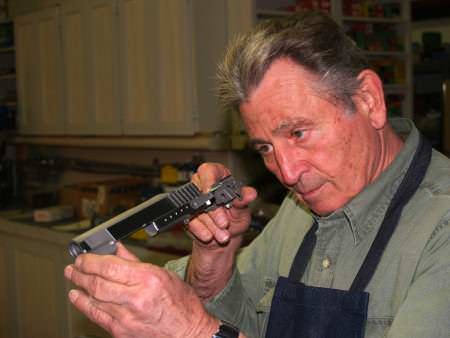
(284, 75)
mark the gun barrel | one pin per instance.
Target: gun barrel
(154, 215)
(102, 239)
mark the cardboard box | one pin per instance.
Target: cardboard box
(104, 198)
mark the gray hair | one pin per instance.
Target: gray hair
(311, 39)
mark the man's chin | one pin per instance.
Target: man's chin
(319, 209)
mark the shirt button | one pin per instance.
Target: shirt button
(326, 263)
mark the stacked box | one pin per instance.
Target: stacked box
(103, 198)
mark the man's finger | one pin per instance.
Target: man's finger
(122, 252)
(89, 307)
(98, 287)
(200, 231)
(248, 194)
(109, 267)
(205, 228)
(208, 174)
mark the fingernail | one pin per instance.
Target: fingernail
(224, 236)
(222, 221)
(68, 271)
(73, 295)
(78, 262)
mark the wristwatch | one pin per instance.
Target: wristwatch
(226, 330)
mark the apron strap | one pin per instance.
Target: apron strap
(408, 186)
(303, 254)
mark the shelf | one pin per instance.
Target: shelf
(8, 77)
(10, 103)
(7, 134)
(7, 49)
(201, 141)
(267, 13)
(386, 53)
(372, 20)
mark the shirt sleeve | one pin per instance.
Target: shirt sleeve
(235, 306)
(232, 303)
(425, 311)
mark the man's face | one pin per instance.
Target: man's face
(314, 147)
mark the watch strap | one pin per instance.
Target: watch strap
(226, 330)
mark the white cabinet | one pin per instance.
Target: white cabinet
(130, 67)
(42, 266)
(26, 69)
(33, 290)
(39, 82)
(91, 75)
(157, 67)
(7, 329)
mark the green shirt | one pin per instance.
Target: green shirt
(410, 291)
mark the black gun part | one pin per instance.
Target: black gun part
(155, 215)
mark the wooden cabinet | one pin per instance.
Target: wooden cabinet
(130, 67)
(26, 69)
(157, 67)
(39, 81)
(91, 67)
(38, 284)
(33, 290)
(7, 329)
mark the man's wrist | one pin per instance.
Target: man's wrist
(209, 272)
(226, 330)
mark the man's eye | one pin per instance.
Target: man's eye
(298, 133)
(263, 148)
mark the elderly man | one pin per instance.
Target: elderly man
(360, 247)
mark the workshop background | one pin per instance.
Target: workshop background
(106, 103)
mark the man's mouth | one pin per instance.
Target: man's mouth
(310, 192)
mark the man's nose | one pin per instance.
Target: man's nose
(291, 165)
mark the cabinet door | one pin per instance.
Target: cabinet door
(76, 85)
(103, 50)
(49, 73)
(39, 284)
(178, 113)
(91, 67)
(26, 70)
(157, 67)
(38, 63)
(7, 304)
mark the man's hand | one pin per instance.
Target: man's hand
(218, 235)
(132, 299)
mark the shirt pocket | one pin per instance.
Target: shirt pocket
(378, 326)
(263, 306)
(264, 303)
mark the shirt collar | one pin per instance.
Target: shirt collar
(366, 211)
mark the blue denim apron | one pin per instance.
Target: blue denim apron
(301, 311)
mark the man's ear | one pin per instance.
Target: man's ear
(369, 98)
